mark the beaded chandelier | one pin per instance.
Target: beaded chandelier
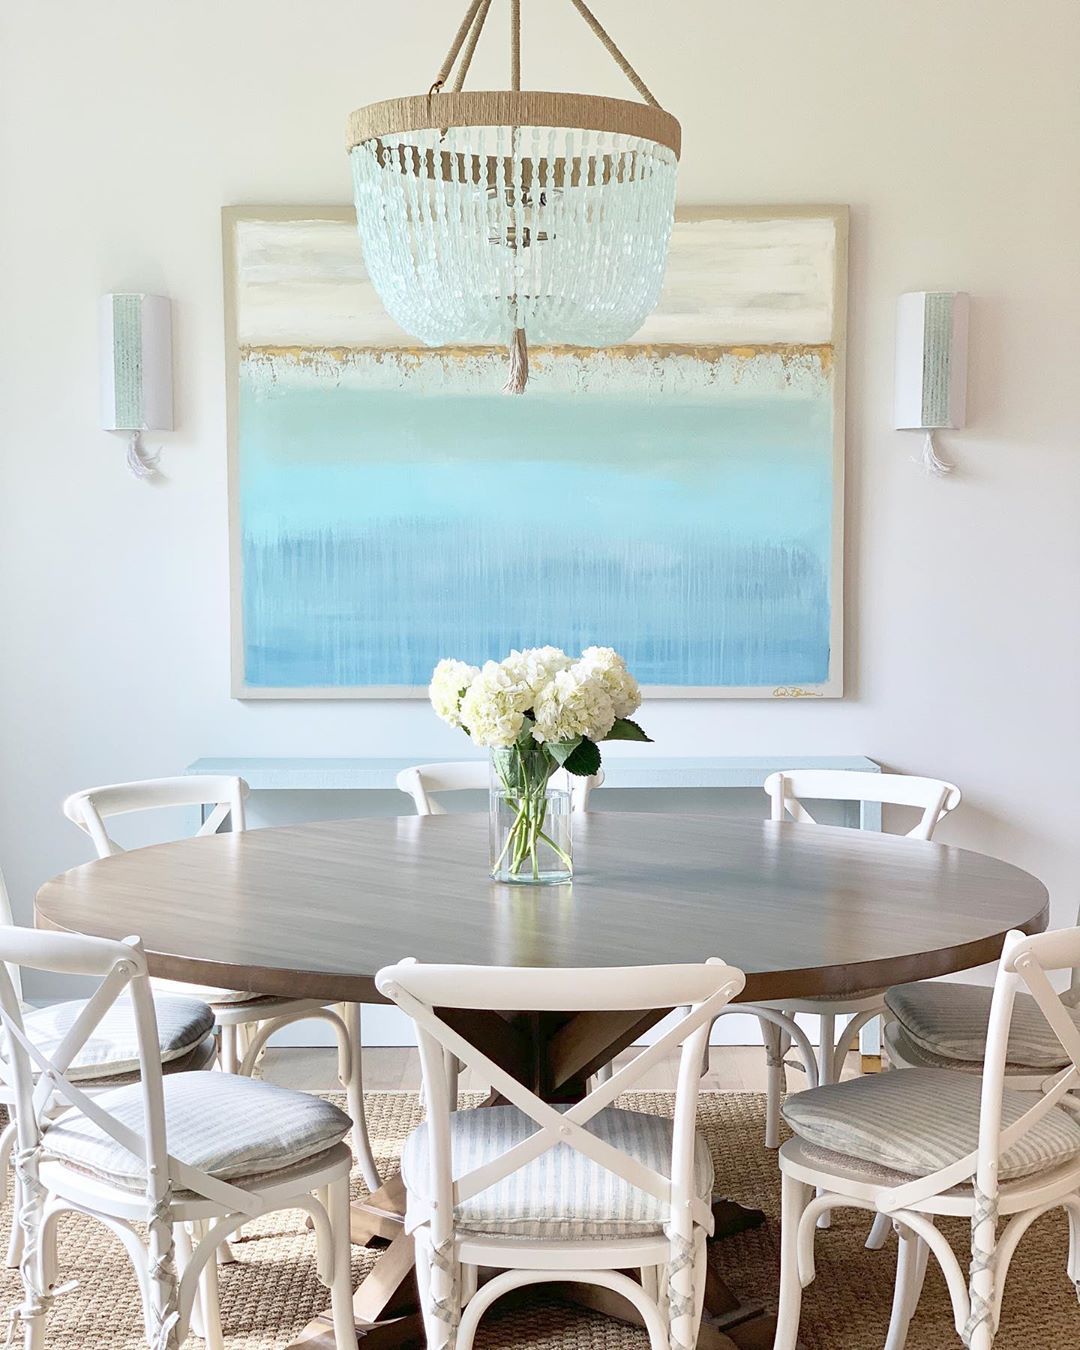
(510, 216)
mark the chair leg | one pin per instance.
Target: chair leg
(7, 1141)
(354, 1092)
(773, 1037)
(682, 1294)
(208, 1300)
(341, 1285)
(229, 1061)
(826, 1074)
(826, 1045)
(879, 1232)
(453, 1074)
(794, 1198)
(48, 1274)
(16, 1241)
(1073, 1210)
(910, 1272)
(438, 1280)
(228, 1051)
(162, 1291)
(184, 1244)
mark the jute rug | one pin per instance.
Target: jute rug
(271, 1292)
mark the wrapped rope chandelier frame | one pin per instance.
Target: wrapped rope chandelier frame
(509, 216)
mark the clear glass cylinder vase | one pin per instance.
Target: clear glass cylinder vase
(530, 823)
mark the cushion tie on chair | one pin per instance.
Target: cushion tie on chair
(447, 1313)
(163, 1270)
(38, 1298)
(679, 1305)
(986, 1210)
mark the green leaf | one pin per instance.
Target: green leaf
(584, 760)
(505, 765)
(560, 751)
(625, 730)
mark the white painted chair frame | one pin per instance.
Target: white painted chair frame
(670, 1296)
(968, 1187)
(213, 1210)
(903, 1053)
(244, 1028)
(786, 792)
(424, 782)
(203, 1058)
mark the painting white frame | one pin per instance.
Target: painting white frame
(832, 687)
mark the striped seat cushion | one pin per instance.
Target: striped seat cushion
(561, 1194)
(950, 1020)
(916, 1121)
(905, 1054)
(113, 1049)
(229, 1126)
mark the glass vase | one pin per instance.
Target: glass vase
(530, 821)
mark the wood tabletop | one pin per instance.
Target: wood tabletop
(315, 910)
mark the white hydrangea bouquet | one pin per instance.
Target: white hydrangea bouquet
(538, 711)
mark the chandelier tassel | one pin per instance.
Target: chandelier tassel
(518, 375)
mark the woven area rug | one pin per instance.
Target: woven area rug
(271, 1292)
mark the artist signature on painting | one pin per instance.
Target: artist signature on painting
(795, 691)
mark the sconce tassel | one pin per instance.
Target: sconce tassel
(141, 464)
(932, 461)
(518, 376)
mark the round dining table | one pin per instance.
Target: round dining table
(315, 910)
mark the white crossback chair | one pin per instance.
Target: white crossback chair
(932, 1024)
(425, 783)
(245, 1020)
(545, 1193)
(185, 1043)
(198, 1153)
(914, 1144)
(788, 791)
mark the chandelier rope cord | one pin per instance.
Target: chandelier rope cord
(468, 35)
(470, 46)
(455, 46)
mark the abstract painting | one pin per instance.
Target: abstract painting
(678, 497)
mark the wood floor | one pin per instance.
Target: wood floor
(732, 1068)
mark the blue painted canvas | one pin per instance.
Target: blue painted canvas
(676, 498)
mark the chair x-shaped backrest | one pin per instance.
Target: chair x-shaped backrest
(40, 1077)
(420, 989)
(933, 796)
(90, 808)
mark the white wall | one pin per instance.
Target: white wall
(952, 129)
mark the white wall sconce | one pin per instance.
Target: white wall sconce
(931, 366)
(136, 371)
